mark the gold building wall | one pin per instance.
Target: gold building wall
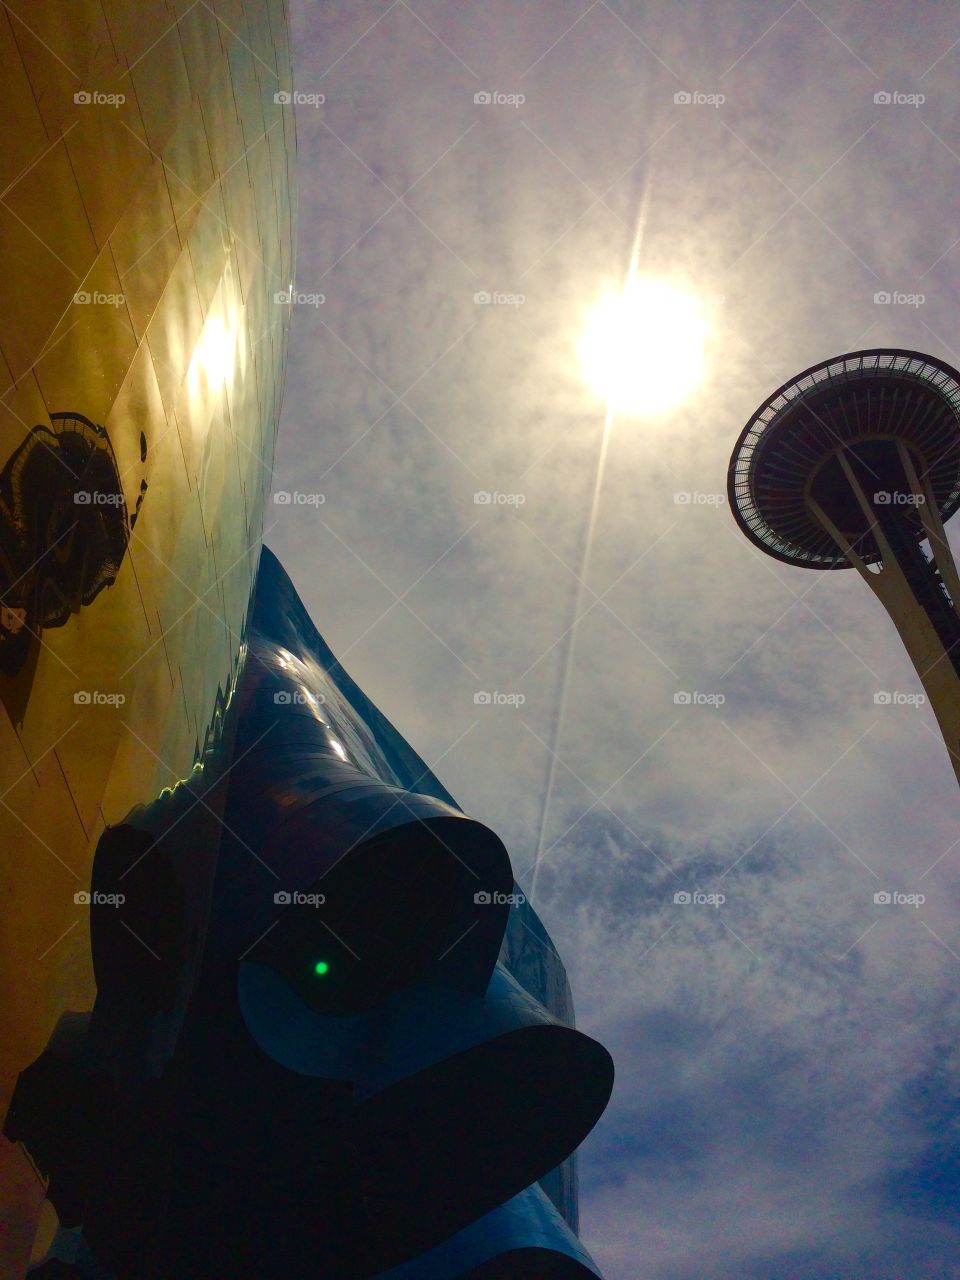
(144, 163)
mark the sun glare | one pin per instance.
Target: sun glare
(643, 349)
(216, 354)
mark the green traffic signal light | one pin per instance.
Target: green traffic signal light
(321, 967)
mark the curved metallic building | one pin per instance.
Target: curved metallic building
(273, 1004)
(147, 223)
(147, 226)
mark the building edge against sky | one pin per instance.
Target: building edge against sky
(143, 349)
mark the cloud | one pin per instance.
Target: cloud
(786, 1073)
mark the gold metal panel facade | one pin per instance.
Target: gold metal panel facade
(146, 222)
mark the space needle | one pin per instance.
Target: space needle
(855, 463)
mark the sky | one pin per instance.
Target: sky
(787, 1060)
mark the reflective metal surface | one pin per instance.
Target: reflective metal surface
(146, 223)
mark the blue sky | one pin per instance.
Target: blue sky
(787, 1064)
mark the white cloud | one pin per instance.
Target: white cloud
(764, 1101)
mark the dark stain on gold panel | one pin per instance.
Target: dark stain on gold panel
(64, 530)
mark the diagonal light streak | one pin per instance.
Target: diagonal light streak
(570, 646)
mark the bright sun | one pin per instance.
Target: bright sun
(643, 349)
